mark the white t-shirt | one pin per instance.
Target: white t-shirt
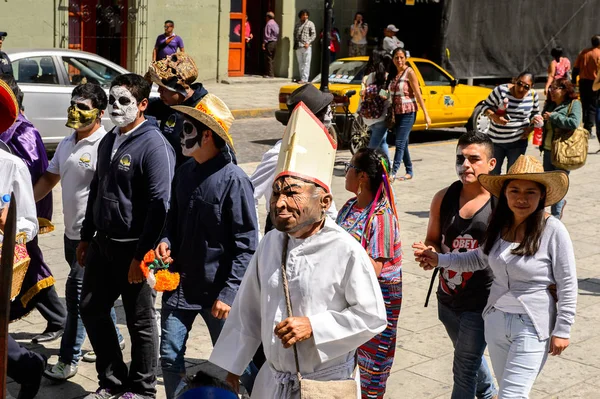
(391, 43)
(76, 164)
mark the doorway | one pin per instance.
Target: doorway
(256, 10)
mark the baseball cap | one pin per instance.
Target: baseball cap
(392, 28)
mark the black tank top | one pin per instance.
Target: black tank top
(463, 292)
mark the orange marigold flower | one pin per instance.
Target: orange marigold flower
(145, 269)
(149, 257)
(166, 281)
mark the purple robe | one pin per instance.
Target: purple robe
(25, 142)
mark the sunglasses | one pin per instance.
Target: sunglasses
(348, 165)
(523, 85)
(557, 88)
(122, 100)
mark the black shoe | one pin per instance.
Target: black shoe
(47, 336)
(30, 389)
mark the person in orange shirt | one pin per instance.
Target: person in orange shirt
(585, 68)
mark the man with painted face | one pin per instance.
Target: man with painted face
(333, 291)
(458, 220)
(126, 211)
(74, 164)
(175, 77)
(210, 236)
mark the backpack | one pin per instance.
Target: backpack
(570, 147)
(372, 105)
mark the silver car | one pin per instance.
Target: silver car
(47, 78)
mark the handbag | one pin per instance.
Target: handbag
(570, 148)
(390, 118)
(312, 389)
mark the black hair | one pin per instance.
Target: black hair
(378, 62)
(12, 83)
(201, 127)
(477, 137)
(503, 219)
(203, 379)
(595, 40)
(392, 70)
(136, 84)
(527, 74)
(368, 160)
(556, 53)
(93, 92)
(361, 14)
(168, 21)
(302, 12)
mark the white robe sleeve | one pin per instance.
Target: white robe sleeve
(337, 333)
(241, 335)
(26, 213)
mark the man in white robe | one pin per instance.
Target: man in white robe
(336, 299)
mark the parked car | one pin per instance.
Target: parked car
(450, 104)
(47, 78)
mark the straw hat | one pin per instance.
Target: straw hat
(529, 168)
(213, 112)
(9, 109)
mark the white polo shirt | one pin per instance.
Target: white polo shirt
(76, 164)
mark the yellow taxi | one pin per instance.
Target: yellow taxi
(449, 103)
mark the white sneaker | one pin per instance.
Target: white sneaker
(61, 371)
(90, 356)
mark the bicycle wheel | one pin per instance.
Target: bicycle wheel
(359, 135)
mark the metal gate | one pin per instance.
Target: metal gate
(114, 29)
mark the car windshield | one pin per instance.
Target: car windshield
(345, 72)
(95, 72)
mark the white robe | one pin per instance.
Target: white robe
(331, 281)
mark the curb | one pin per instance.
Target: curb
(254, 113)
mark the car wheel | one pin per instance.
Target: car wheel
(478, 120)
(360, 135)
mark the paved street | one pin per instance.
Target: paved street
(422, 369)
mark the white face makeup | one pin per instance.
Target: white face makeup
(123, 108)
(190, 140)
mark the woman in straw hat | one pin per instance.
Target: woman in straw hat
(532, 301)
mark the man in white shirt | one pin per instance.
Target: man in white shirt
(74, 164)
(391, 42)
(336, 300)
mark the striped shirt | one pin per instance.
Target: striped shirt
(519, 110)
(402, 94)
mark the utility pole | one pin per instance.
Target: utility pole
(328, 16)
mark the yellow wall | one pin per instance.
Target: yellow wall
(29, 23)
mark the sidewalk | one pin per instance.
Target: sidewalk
(249, 96)
(423, 365)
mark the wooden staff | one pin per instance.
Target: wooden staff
(6, 272)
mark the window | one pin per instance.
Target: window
(432, 75)
(35, 70)
(345, 72)
(92, 71)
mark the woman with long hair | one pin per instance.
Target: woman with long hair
(373, 106)
(404, 93)
(358, 36)
(558, 68)
(562, 111)
(532, 300)
(371, 218)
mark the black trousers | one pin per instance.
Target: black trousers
(105, 278)
(51, 308)
(270, 49)
(589, 101)
(24, 366)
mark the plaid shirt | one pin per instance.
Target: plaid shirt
(305, 32)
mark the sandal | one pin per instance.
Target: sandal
(407, 176)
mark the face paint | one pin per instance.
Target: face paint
(81, 113)
(190, 139)
(123, 108)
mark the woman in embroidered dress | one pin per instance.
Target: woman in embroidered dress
(370, 217)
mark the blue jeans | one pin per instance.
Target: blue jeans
(404, 124)
(557, 208)
(517, 354)
(70, 344)
(472, 376)
(176, 325)
(379, 137)
(510, 151)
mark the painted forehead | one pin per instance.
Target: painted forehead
(121, 91)
(81, 100)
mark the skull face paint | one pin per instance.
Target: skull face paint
(123, 107)
(190, 138)
(81, 113)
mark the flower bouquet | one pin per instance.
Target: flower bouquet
(157, 273)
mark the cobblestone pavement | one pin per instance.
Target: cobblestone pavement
(424, 353)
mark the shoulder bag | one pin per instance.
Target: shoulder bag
(313, 389)
(570, 147)
(390, 118)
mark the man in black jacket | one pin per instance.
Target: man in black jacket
(126, 211)
(5, 64)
